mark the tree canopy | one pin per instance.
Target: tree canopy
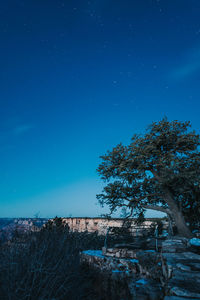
(158, 170)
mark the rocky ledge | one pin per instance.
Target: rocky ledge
(181, 270)
(171, 274)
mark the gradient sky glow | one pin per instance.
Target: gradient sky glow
(77, 77)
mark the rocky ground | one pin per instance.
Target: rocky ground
(181, 270)
(172, 273)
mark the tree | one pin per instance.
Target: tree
(159, 170)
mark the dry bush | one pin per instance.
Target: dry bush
(45, 266)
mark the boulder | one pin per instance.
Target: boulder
(194, 245)
(195, 242)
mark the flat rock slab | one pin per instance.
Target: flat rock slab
(187, 257)
(187, 275)
(115, 265)
(183, 267)
(178, 298)
(183, 275)
(184, 293)
(187, 262)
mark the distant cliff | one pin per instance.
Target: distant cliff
(9, 226)
(101, 225)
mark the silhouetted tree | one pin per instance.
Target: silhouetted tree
(159, 170)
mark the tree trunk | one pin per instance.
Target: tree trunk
(178, 218)
(183, 229)
(175, 212)
(170, 227)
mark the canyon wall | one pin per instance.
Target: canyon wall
(101, 225)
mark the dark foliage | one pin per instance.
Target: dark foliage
(46, 265)
(159, 170)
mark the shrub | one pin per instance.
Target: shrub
(45, 265)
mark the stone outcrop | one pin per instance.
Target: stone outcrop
(140, 273)
(171, 274)
(181, 270)
(97, 259)
(176, 244)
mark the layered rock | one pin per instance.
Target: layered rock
(181, 270)
(140, 270)
(171, 274)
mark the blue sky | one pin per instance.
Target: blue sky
(77, 78)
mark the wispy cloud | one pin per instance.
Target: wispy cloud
(21, 129)
(190, 65)
(11, 129)
(8, 136)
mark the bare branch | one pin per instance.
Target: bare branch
(158, 208)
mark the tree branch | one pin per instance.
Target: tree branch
(158, 208)
(155, 174)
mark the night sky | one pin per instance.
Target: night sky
(77, 78)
